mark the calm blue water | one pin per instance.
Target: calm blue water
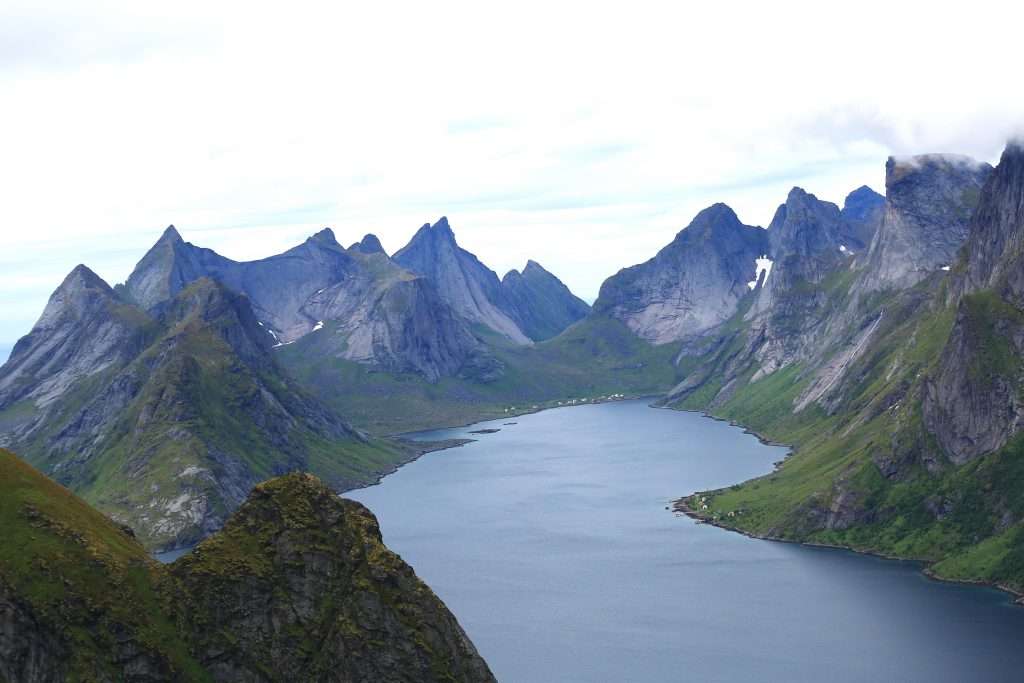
(551, 543)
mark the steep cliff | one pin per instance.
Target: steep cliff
(539, 303)
(974, 404)
(914, 448)
(464, 283)
(693, 284)
(861, 216)
(298, 585)
(84, 329)
(929, 202)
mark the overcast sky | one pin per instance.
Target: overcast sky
(582, 135)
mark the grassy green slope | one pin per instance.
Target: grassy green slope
(869, 476)
(298, 583)
(88, 584)
(204, 424)
(596, 357)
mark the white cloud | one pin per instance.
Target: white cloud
(580, 135)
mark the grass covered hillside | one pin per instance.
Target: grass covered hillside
(870, 476)
(298, 586)
(593, 359)
(170, 438)
(84, 597)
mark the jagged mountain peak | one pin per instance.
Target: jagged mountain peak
(441, 231)
(692, 284)
(472, 289)
(370, 244)
(993, 249)
(717, 220)
(539, 302)
(862, 194)
(325, 237)
(719, 213)
(442, 226)
(930, 199)
(171, 234)
(82, 276)
(804, 225)
(531, 268)
(207, 304)
(862, 214)
(81, 293)
(511, 276)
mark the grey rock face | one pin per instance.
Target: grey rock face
(862, 215)
(539, 303)
(367, 300)
(929, 202)
(29, 651)
(791, 310)
(277, 286)
(804, 237)
(693, 284)
(973, 404)
(83, 330)
(995, 250)
(368, 245)
(464, 283)
(387, 316)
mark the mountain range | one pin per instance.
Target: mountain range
(881, 338)
(163, 401)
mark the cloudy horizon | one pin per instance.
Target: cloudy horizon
(250, 129)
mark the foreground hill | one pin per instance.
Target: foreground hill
(297, 586)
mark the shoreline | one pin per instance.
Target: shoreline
(404, 436)
(680, 506)
(417, 449)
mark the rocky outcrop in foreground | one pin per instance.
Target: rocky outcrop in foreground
(298, 586)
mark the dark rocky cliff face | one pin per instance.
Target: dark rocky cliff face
(974, 405)
(862, 214)
(929, 203)
(790, 311)
(386, 316)
(468, 286)
(539, 303)
(84, 330)
(693, 284)
(297, 586)
(368, 245)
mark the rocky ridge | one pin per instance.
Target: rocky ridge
(692, 285)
